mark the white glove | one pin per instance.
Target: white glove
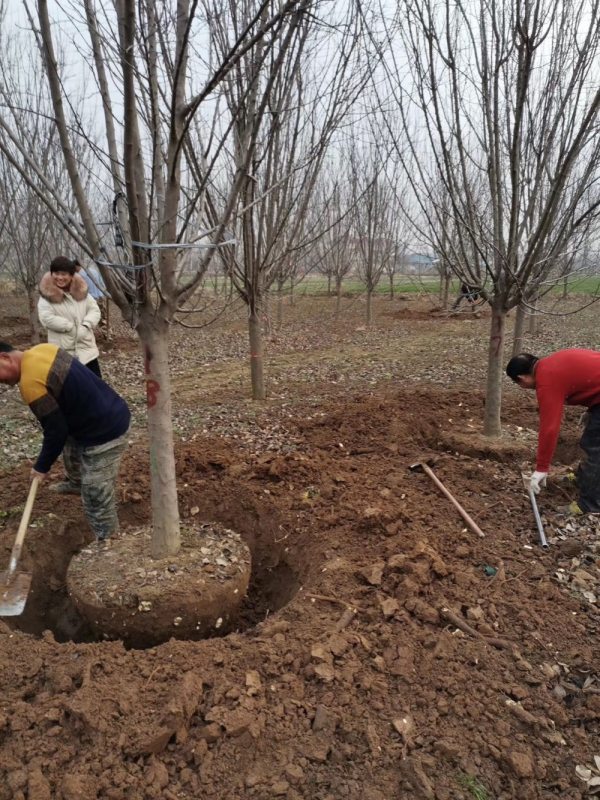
(537, 480)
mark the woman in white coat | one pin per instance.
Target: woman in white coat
(69, 313)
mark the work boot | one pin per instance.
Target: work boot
(573, 510)
(65, 487)
(569, 478)
(103, 544)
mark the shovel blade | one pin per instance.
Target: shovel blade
(14, 590)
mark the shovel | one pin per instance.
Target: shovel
(14, 586)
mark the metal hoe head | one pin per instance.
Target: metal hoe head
(13, 593)
(418, 466)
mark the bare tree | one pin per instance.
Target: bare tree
(30, 235)
(373, 246)
(333, 219)
(496, 107)
(285, 120)
(144, 60)
(396, 263)
(29, 239)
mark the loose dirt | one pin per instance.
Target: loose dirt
(383, 650)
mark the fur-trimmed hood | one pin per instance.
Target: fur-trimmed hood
(50, 291)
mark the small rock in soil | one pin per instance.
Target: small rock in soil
(323, 719)
(389, 606)
(294, 773)
(374, 573)
(77, 787)
(521, 763)
(38, 787)
(325, 672)
(253, 683)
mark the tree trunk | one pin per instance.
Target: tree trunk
(279, 304)
(493, 396)
(369, 307)
(165, 511)
(446, 291)
(329, 286)
(292, 296)
(533, 321)
(256, 356)
(36, 332)
(391, 287)
(519, 329)
(338, 297)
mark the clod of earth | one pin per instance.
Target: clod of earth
(126, 594)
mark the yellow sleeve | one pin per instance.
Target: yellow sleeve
(35, 368)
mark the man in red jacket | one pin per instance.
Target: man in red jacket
(572, 377)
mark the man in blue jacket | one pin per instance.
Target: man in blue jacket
(70, 401)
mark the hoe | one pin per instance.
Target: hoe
(421, 465)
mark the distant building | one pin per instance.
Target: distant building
(419, 264)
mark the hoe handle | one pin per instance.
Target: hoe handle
(469, 520)
(18, 545)
(538, 519)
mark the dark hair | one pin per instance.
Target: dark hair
(63, 264)
(522, 364)
(5, 347)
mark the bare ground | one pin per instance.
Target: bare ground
(384, 650)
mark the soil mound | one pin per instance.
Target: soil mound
(125, 594)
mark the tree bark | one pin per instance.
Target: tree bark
(279, 304)
(106, 305)
(111, 136)
(493, 396)
(338, 297)
(165, 510)
(36, 333)
(446, 291)
(369, 307)
(56, 89)
(533, 320)
(256, 356)
(519, 330)
(391, 287)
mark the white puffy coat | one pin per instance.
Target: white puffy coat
(69, 317)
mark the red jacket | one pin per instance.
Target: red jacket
(568, 376)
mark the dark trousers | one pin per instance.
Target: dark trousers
(588, 471)
(94, 365)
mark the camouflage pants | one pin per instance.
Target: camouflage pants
(95, 469)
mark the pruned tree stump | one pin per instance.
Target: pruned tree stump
(124, 593)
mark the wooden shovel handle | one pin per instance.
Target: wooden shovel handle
(469, 520)
(18, 545)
